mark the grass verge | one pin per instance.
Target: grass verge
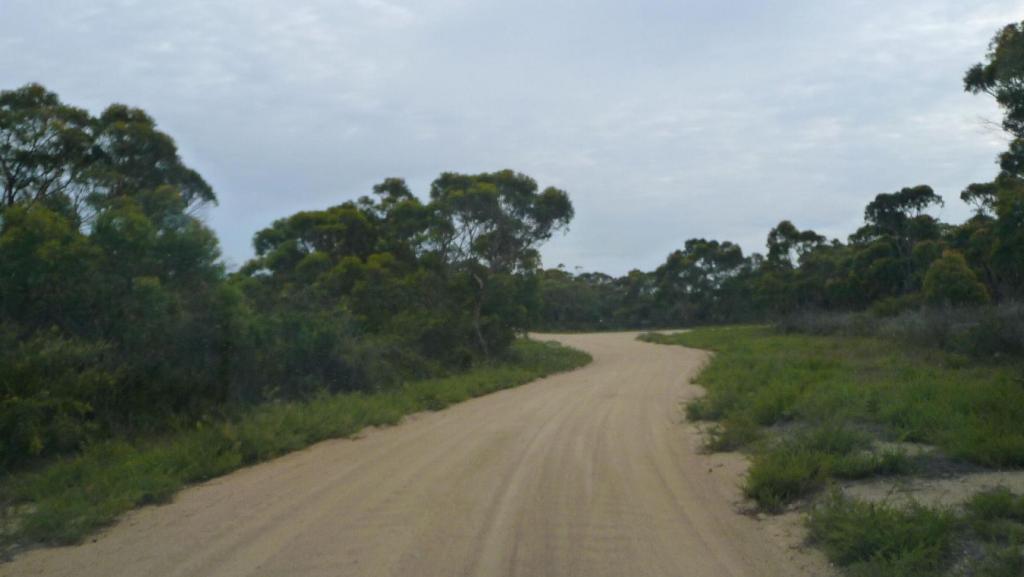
(984, 538)
(871, 539)
(811, 410)
(832, 386)
(71, 498)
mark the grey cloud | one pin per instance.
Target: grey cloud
(664, 120)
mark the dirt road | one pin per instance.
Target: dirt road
(588, 473)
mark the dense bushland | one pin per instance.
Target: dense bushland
(68, 500)
(117, 317)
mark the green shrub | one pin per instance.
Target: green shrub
(50, 388)
(862, 465)
(733, 434)
(972, 411)
(698, 410)
(999, 562)
(893, 306)
(803, 463)
(951, 282)
(784, 474)
(882, 540)
(984, 331)
(996, 518)
(998, 503)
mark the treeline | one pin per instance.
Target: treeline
(900, 259)
(117, 317)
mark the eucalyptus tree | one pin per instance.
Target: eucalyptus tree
(692, 281)
(129, 154)
(44, 145)
(488, 226)
(1001, 76)
(60, 155)
(787, 245)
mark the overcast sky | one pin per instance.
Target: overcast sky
(664, 120)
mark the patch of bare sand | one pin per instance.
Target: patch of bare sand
(949, 491)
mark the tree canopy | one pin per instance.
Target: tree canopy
(117, 315)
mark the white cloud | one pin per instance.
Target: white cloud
(663, 120)
(392, 13)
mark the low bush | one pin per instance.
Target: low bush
(999, 503)
(880, 540)
(984, 539)
(732, 434)
(50, 386)
(988, 331)
(972, 410)
(802, 464)
(999, 562)
(995, 518)
(811, 409)
(783, 475)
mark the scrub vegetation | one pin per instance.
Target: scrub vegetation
(897, 352)
(69, 498)
(815, 407)
(813, 411)
(132, 361)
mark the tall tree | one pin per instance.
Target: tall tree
(130, 154)
(491, 224)
(57, 153)
(787, 244)
(1002, 77)
(691, 280)
(44, 145)
(894, 223)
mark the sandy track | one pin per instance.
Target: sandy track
(588, 473)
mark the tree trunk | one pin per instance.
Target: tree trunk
(477, 312)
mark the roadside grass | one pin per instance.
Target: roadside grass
(70, 498)
(984, 538)
(871, 539)
(839, 386)
(812, 410)
(996, 520)
(804, 463)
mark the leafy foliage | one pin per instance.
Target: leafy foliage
(825, 390)
(876, 539)
(949, 281)
(118, 319)
(883, 267)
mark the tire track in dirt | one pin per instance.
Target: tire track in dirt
(586, 473)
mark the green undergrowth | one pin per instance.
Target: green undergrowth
(804, 462)
(70, 498)
(813, 411)
(876, 540)
(983, 538)
(813, 408)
